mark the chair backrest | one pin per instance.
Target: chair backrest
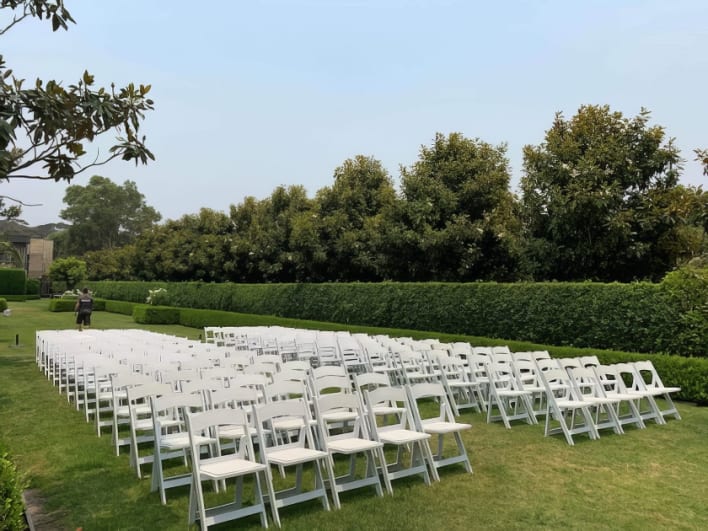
(589, 361)
(586, 383)
(173, 407)
(647, 375)
(557, 384)
(355, 427)
(266, 417)
(234, 397)
(285, 390)
(207, 423)
(569, 363)
(394, 397)
(371, 380)
(329, 384)
(429, 391)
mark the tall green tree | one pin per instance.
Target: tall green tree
(263, 249)
(194, 247)
(105, 215)
(457, 217)
(347, 218)
(44, 125)
(598, 195)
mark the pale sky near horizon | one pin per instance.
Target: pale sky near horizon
(255, 94)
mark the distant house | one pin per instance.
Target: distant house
(32, 248)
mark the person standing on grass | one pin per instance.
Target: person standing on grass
(83, 309)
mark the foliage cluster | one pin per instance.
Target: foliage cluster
(103, 215)
(68, 271)
(600, 201)
(638, 317)
(3, 304)
(156, 296)
(11, 504)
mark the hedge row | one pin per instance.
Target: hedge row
(639, 317)
(12, 281)
(68, 305)
(688, 373)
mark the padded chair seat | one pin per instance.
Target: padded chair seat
(339, 416)
(179, 441)
(445, 427)
(656, 391)
(287, 424)
(235, 432)
(352, 445)
(293, 456)
(402, 436)
(387, 410)
(227, 466)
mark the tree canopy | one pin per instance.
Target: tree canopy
(105, 215)
(600, 196)
(45, 126)
(456, 219)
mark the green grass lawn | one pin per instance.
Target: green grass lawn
(655, 478)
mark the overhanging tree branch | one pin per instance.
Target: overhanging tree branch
(43, 128)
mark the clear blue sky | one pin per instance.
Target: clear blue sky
(250, 95)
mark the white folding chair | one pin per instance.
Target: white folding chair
(402, 434)
(294, 451)
(439, 424)
(172, 438)
(647, 380)
(141, 422)
(613, 386)
(220, 468)
(509, 399)
(590, 390)
(563, 405)
(350, 440)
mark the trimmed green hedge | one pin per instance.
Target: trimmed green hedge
(146, 314)
(638, 317)
(122, 307)
(68, 305)
(3, 304)
(12, 281)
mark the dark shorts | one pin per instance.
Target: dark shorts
(83, 318)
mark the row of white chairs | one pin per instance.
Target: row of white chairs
(152, 404)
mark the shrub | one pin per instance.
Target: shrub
(69, 270)
(157, 297)
(62, 305)
(155, 314)
(32, 286)
(3, 304)
(12, 281)
(11, 487)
